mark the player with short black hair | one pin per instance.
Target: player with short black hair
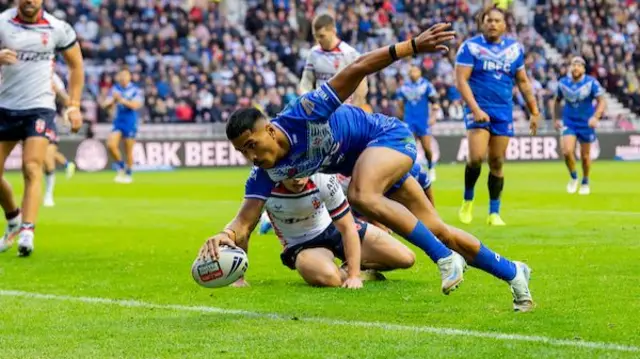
(417, 99)
(128, 99)
(580, 118)
(315, 133)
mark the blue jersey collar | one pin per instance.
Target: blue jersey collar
(484, 40)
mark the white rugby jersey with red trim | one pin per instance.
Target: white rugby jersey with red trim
(27, 84)
(321, 65)
(301, 217)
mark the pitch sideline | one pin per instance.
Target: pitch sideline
(610, 347)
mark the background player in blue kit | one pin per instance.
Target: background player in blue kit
(128, 99)
(315, 133)
(486, 67)
(579, 120)
(415, 100)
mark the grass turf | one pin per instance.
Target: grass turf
(138, 241)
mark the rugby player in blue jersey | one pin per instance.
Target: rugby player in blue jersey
(315, 133)
(416, 97)
(487, 66)
(579, 120)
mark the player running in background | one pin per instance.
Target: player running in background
(327, 58)
(316, 134)
(128, 99)
(313, 221)
(53, 155)
(417, 98)
(29, 39)
(487, 66)
(579, 120)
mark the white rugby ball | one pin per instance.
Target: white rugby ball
(228, 268)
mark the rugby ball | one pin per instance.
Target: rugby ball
(228, 268)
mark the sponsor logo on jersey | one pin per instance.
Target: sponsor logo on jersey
(45, 38)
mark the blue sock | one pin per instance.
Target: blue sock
(574, 175)
(430, 165)
(585, 180)
(468, 194)
(128, 171)
(66, 164)
(120, 165)
(422, 237)
(494, 206)
(494, 264)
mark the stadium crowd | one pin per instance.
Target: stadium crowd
(369, 24)
(195, 66)
(605, 33)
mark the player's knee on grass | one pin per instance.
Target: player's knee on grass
(495, 165)
(316, 267)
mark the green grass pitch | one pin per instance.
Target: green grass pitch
(137, 242)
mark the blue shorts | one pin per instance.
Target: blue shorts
(495, 127)
(419, 128)
(330, 239)
(125, 129)
(584, 135)
(401, 139)
(18, 125)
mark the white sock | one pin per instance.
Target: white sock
(16, 221)
(50, 180)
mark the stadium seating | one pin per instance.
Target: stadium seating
(196, 66)
(605, 33)
(367, 24)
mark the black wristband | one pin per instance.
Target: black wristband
(392, 52)
(414, 46)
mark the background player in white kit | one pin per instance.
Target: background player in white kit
(53, 155)
(29, 40)
(328, 57)
(325, 59)
(313, 220)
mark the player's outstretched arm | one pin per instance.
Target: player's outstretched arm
(522, 80)
(345, 82)
(73, 58)
(351, 240)
(237, 232)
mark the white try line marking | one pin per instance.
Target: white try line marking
(327, 321)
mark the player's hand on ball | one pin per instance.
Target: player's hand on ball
(211, 248)
(481, 116)
(74, 117)
(534, 120)
(593, 122)
(8, 57)
(434, 39)
(352, 283)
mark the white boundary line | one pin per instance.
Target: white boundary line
(610, 347)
